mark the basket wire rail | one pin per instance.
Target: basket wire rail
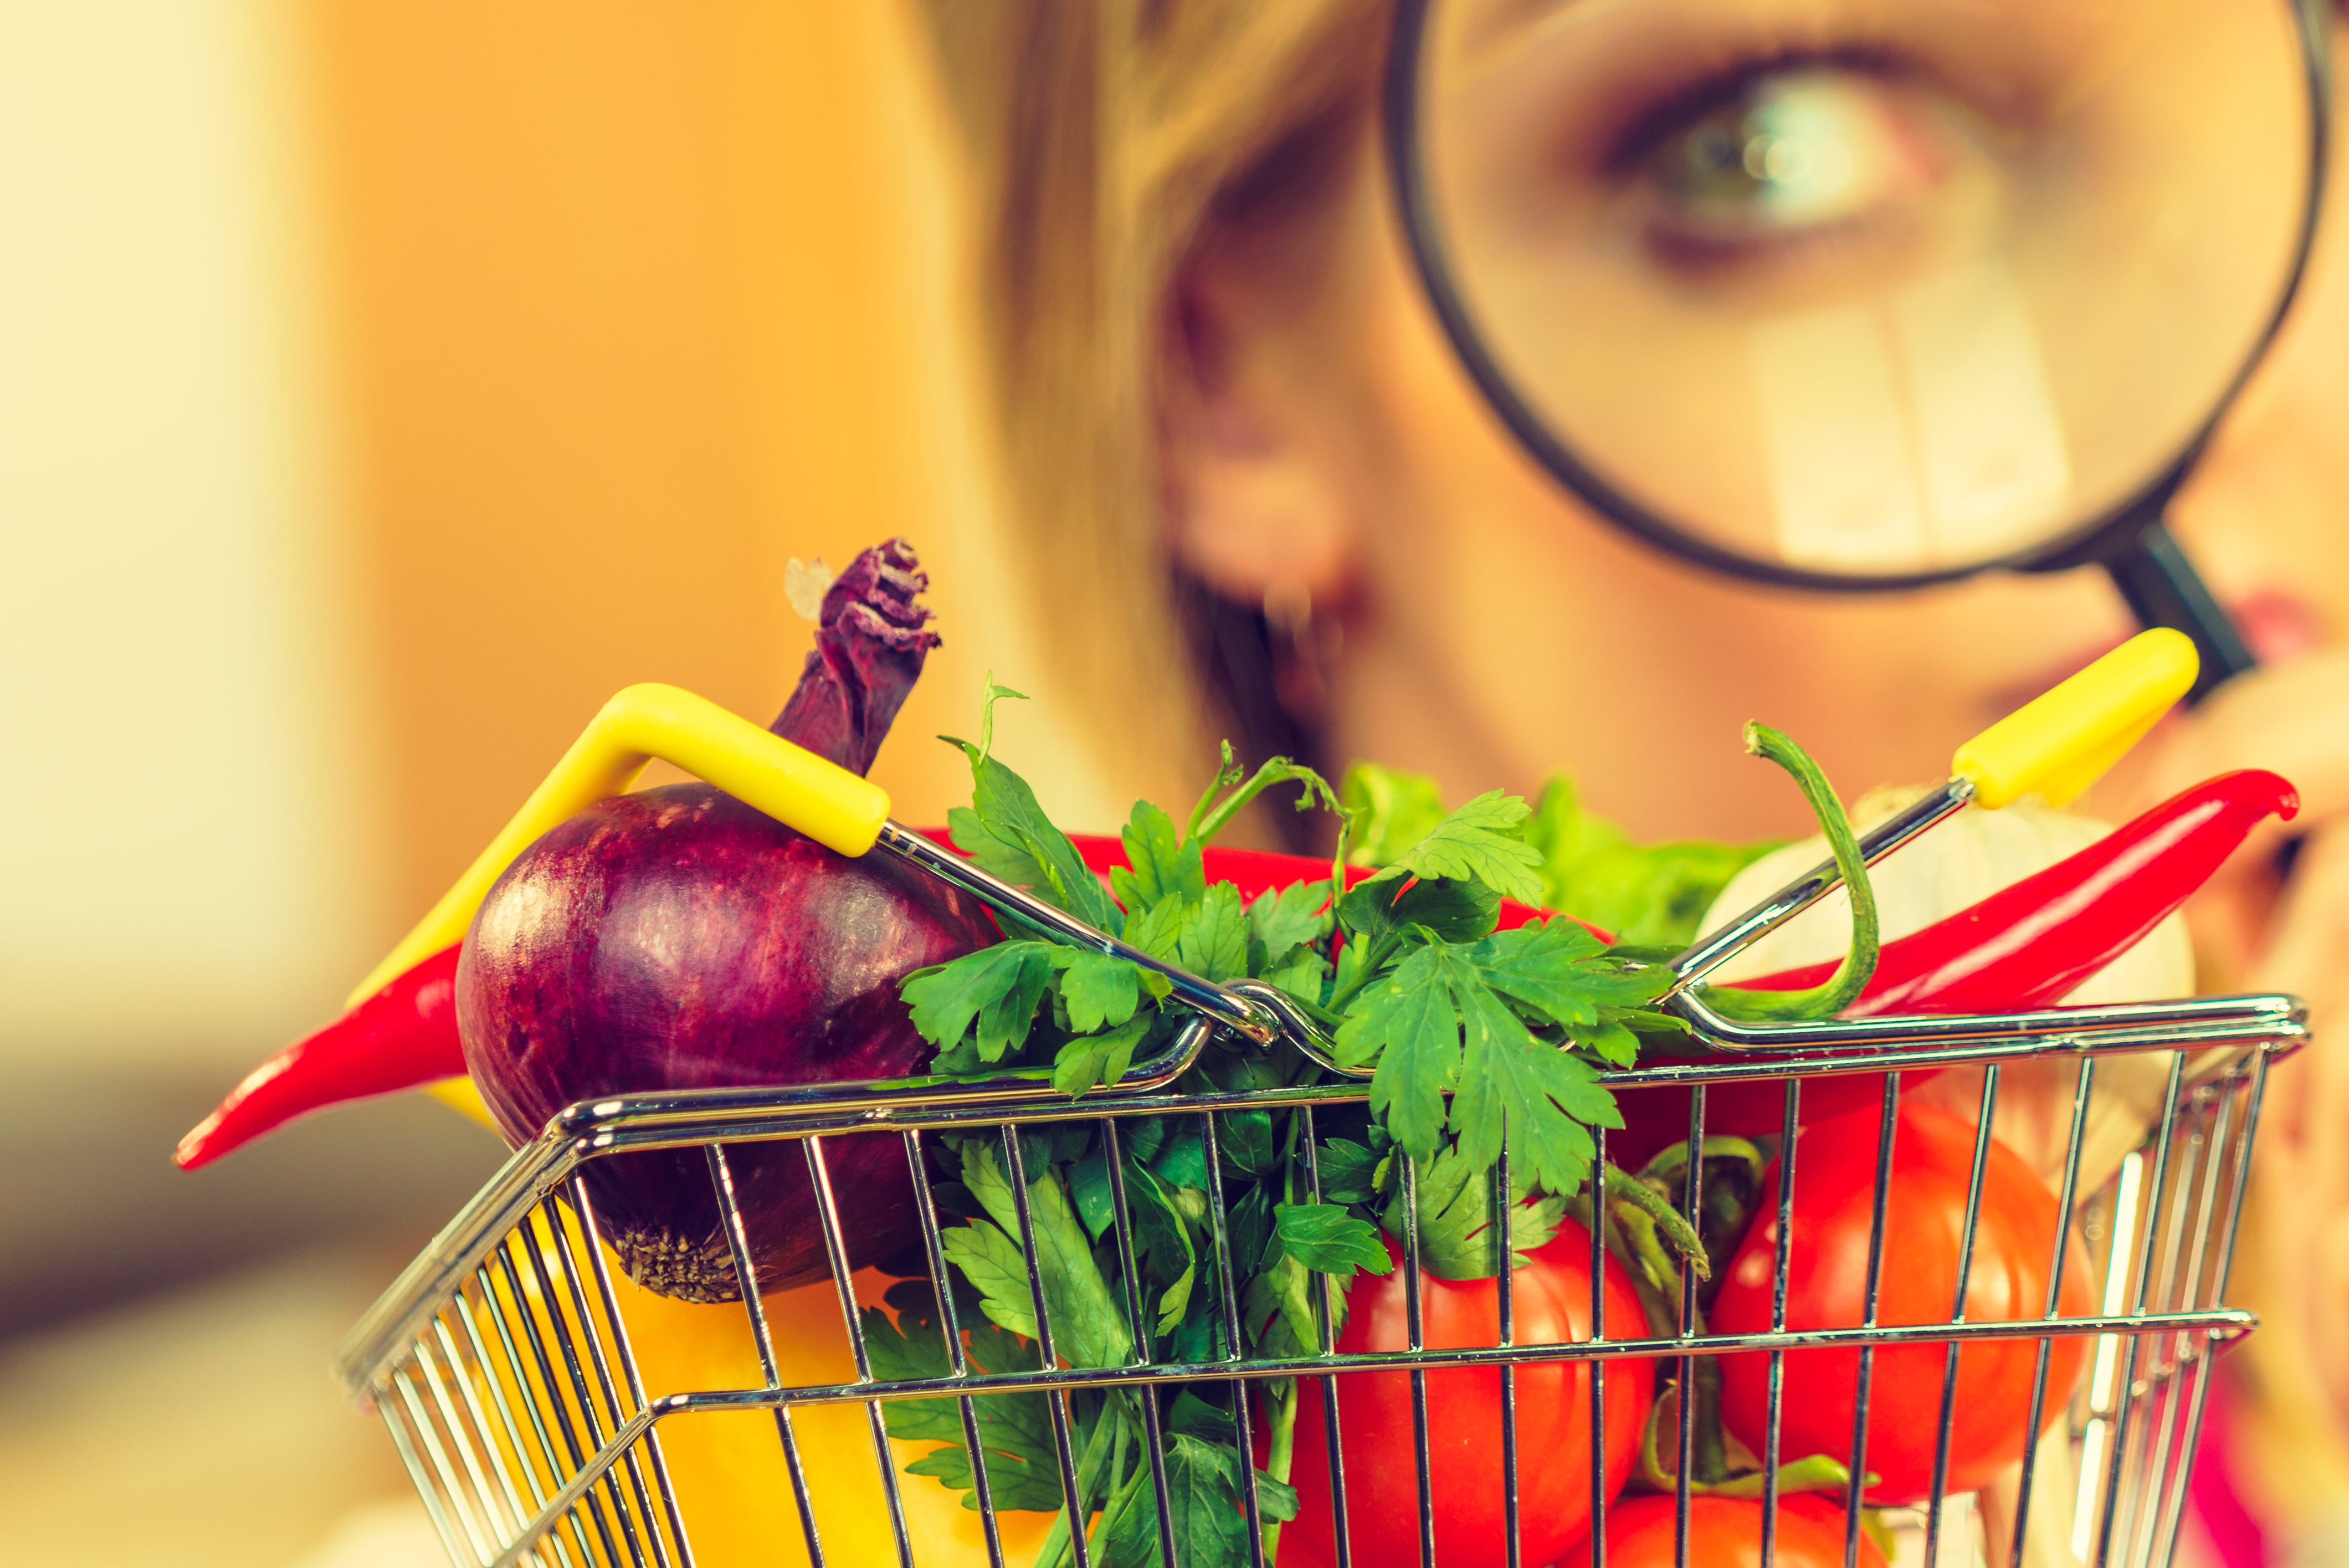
(502, 1361)
(542, 1426)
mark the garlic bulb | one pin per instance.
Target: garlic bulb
(1957, 862)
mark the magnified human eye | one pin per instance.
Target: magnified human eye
(1793, 160)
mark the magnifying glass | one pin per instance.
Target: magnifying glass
(1857, 294)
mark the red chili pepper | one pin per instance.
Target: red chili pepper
(403, 1035)
(2031, 943)
(2025, 946)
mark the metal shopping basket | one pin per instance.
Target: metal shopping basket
(539, 1429)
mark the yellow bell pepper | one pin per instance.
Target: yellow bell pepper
(733, 1489)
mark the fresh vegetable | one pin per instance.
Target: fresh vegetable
(872, 639)
(2026, 946)
(1964, 859)
(1844, 980)
(1725, 1533)
(678, 939)
(2014, 1244)
(871, 642)
(403, 1035)
(1649, 895)
(1550, 1304)
(1469, 1032)
(732, 1482)
(1472, 1035)
(2033, 941)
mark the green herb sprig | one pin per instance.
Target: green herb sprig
(1474, 1039)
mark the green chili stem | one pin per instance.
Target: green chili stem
(1851, 976)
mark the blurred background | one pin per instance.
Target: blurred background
(381, 387)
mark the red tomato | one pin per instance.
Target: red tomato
(1655, 1119)
(2014, 1242)
(1725, 1532)
(1551, 1301)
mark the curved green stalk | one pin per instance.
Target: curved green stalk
(1851, 976)
(1668, 1223)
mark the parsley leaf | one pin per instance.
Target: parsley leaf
(1246, 1138)
(1162, 1242)
(1391, 811)
(1541, 1099)
(1099, 991)
(997, 988)
(1278, 1312)
(1455, 1217)
(1286, 921)
(1409, 1027)
(1005, 832)
(1480, 842)
(1090, 1060)
(1327, 1239)
(1214, 942)
(1541, 965)
(1452, 911)
(1088, 1327)
(1436, 1023)
(1203, 1505)
(1014, 1429)
(993, 1262)
(1346, 1168)
(1203, 1481)
(1164, 866)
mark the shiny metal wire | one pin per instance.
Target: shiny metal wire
(501, 1365)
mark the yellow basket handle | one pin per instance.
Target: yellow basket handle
(2060, 742)
(793, 785)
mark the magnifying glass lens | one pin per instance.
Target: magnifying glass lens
(1865, 289)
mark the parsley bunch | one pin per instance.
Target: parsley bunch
(1476, 1039)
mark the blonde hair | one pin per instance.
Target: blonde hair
(1108, 139)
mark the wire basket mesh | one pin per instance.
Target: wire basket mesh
(546, 1414)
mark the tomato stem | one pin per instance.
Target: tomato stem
(1666, 1221)
(1814, 1472)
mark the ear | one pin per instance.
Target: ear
(1257, 505)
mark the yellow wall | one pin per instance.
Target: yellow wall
(189, 843)
(381, 387)
(642, 301)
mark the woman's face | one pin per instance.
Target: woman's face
(1495, 629)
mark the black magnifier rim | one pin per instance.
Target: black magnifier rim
(2114, 529)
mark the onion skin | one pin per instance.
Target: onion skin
(680, 939)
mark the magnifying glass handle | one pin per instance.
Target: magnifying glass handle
(2161, 585)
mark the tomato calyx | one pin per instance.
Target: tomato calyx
(1715, 1470)
(1649, 1227)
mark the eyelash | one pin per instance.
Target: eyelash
(1645, 130)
